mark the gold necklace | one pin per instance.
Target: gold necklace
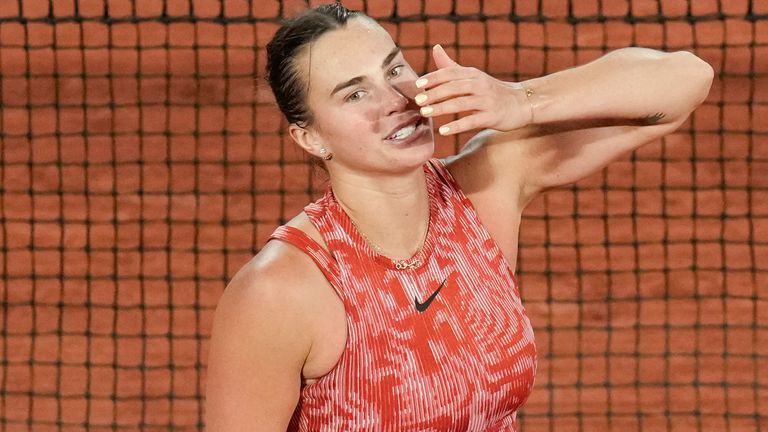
(400, 264)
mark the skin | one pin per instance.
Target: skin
(280, 324)
(364, 165)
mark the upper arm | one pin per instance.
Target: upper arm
(502, 172)
(520, 164)
(258, 347)
(556, 155)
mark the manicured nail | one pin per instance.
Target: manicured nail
(444, 130)
(421, 82)
(420, 99)
(427, 110)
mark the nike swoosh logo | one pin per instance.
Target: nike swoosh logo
(421, 307)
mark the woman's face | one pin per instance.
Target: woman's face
(361, 93)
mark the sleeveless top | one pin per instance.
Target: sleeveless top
(445, 346)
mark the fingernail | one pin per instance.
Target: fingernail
(420, 99)
(444, 130)
(427, 110)
(421, 82)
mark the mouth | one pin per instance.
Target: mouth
(405, 130)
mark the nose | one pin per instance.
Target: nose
(399, 96)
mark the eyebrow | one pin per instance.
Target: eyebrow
(358, 79)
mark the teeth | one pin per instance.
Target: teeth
(403, 133)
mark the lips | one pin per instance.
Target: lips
(404, 129)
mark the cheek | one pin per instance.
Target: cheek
(352, 124)
(360, 120)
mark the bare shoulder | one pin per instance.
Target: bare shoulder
(262, 335)
(491, 163)
(279, 277)
(273, 295)
(498, 163)
(274, 280)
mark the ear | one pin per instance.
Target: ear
(306, 139)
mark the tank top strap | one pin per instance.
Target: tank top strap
(301, 240)
(444, 176)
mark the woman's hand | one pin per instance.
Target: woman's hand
(488, 102)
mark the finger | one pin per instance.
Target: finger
(464, 124)
(452, 106)
(444, 75)
(450, 89)
(442, 59)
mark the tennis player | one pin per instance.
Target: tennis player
(390, 304)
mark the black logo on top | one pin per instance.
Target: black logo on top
(421, 307)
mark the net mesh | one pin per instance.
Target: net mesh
(142, 165)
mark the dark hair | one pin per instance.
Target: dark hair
(283, 75)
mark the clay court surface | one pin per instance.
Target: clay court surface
(141, 164)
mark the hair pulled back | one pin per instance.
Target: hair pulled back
(283, 74)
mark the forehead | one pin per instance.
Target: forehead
(356, 49)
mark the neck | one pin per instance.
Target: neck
(391, 212)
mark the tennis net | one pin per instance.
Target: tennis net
(143, 161)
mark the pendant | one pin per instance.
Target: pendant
(407, 264)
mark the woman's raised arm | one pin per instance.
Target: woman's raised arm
(561, 127)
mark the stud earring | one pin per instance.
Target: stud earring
(325, 155)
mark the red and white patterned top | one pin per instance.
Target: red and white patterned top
(465, 362)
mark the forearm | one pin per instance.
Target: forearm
(632, 84)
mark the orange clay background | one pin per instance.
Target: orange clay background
(142, 165)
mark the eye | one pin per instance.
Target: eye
(356, 96)
(396, 71)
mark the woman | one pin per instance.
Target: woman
(390, 303)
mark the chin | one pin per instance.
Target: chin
(414, 158)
